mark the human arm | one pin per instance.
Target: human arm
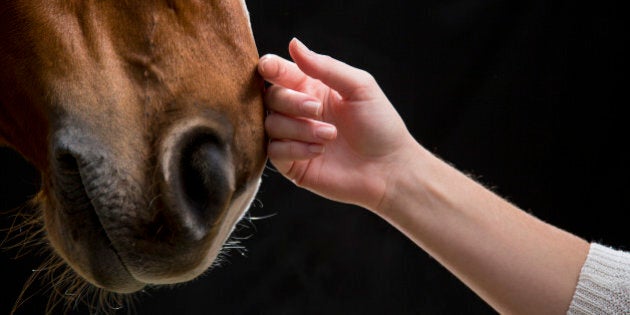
(515, 262)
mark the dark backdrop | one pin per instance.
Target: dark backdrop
(527, 96)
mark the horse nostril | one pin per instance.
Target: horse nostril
(204, 177)
(67, 164)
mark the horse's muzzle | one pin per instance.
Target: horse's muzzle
(160, 220)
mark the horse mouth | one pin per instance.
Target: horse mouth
(100, 262)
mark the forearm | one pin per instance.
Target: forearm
(514, 261)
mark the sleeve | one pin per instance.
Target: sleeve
(604, 283)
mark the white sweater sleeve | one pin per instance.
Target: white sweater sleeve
(604, 283)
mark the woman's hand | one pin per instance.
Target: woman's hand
(332, 129)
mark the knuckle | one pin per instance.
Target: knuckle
(366, 78)
(293, 150)
(366, 86)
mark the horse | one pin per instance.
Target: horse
(145, 121)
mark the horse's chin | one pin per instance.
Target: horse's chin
(118, 250)
(80, 240)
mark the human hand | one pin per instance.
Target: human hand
(332, 129)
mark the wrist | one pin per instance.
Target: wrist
(405, 178)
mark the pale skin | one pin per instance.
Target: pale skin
(334, 132)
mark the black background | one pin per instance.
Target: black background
(527, 96)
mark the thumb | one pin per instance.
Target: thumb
(339, 76)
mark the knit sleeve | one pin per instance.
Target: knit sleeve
(604, 283)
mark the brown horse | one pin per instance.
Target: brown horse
(145, 120)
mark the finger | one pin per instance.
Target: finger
(283, 127)
(349, 81)
(286, 151)
(280, 71)
(292, 103)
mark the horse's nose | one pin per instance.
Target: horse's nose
(162, 222)
(199, 179)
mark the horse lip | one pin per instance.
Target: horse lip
(69, 178)
(92, 194)
(76, 201)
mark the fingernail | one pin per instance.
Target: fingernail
(264, 64)
(312, 107)
(268, 67)
(326, 132)
(317, 148)
(301, 46)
